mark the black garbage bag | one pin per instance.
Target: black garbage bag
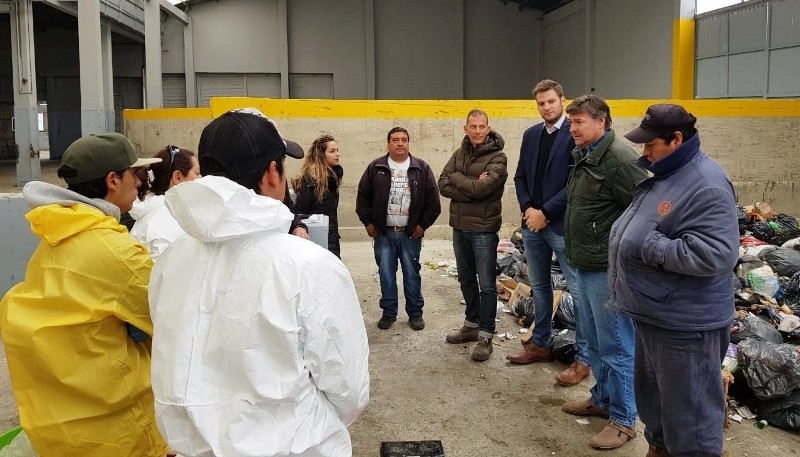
(564, 348)
(753, 327)
(565, 314)
(516, 240)
(785, 227)
(762, 230)
(511, 265)
(791, 285)
(771, 370)
(784, 261)
(782, 412)
(743, 218)
(524, 309)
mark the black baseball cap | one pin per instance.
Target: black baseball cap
(241, 141)
(660, 119)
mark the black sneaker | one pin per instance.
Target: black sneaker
(385, 323)
(416, 322)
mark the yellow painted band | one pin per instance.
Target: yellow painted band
(455, 109)
(683, 59)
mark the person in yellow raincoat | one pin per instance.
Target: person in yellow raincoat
(76, 330)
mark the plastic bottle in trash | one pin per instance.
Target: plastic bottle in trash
(761, 424)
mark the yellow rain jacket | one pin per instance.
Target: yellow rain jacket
(81, 383)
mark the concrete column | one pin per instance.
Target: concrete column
(152, 54)
(108, 77)
(283, 47)
(93, 110)
(26, 112)
(188, 64)
(683, 50)
(369, 36)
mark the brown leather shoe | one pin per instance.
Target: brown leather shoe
(584, 408)
(613, 436)
(531, 353)
(573, 374)
(655, 451)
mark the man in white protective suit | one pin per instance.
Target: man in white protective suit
(259, 345)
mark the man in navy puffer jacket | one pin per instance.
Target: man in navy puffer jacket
(671, 254)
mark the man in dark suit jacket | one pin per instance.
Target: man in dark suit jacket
(541, 178)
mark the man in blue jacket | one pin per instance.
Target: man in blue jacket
(540, 181)
(671, 254)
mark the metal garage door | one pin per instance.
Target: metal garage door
(173, 89)
(237, 85)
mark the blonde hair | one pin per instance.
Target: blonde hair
(315, 168)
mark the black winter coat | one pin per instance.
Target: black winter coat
(307, 204)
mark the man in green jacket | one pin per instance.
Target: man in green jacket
(600, 188)
(473, 179)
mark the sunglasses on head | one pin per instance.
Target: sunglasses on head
(173, 151)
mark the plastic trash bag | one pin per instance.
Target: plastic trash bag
(743, 219)
(565, 315)
(745, 264)
(791, 285)
(763, 281)
(782, 412)
(564, 348)
(20, 446)
(772, 370)
(783, 261)
(754, 327)
(524, 310)
(511, 265)
(785, 227)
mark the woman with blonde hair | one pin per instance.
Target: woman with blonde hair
(155, 227)
(317, 186)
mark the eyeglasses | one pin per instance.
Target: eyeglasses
(173, 151)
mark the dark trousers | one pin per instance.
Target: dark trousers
(476, 260)
(679, 390)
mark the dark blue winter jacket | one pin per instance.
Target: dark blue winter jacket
(672, 252)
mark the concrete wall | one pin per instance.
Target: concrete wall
(330, 37)
(172, 51)
(616, 48)
(759, 151)
(236, 39)
(17, 242)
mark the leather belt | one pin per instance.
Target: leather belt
(396, 228)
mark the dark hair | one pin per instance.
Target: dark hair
(212, 167)
(687, 133)
(172, 158)
(477, 112)
(593, 105)
(96, 188)
(547, 84)
(395, 130)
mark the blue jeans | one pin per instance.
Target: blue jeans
(612, 340)
(678, 388)
(476, 260)
(539, 249)
(389, 249)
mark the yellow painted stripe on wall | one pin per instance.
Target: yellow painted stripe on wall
(683, 59)
(456, 109)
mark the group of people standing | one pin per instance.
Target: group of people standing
(646, 243)
(244, 340)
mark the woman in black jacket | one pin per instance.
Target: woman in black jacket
(317, 186)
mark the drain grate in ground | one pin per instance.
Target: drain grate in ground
(412, 449)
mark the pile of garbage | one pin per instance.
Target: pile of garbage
(765, 335)
(513, 285)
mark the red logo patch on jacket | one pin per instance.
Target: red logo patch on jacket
(664, 208)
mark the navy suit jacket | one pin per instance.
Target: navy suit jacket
(556, 173)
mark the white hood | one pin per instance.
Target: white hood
(213, 209)
(150, 203)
